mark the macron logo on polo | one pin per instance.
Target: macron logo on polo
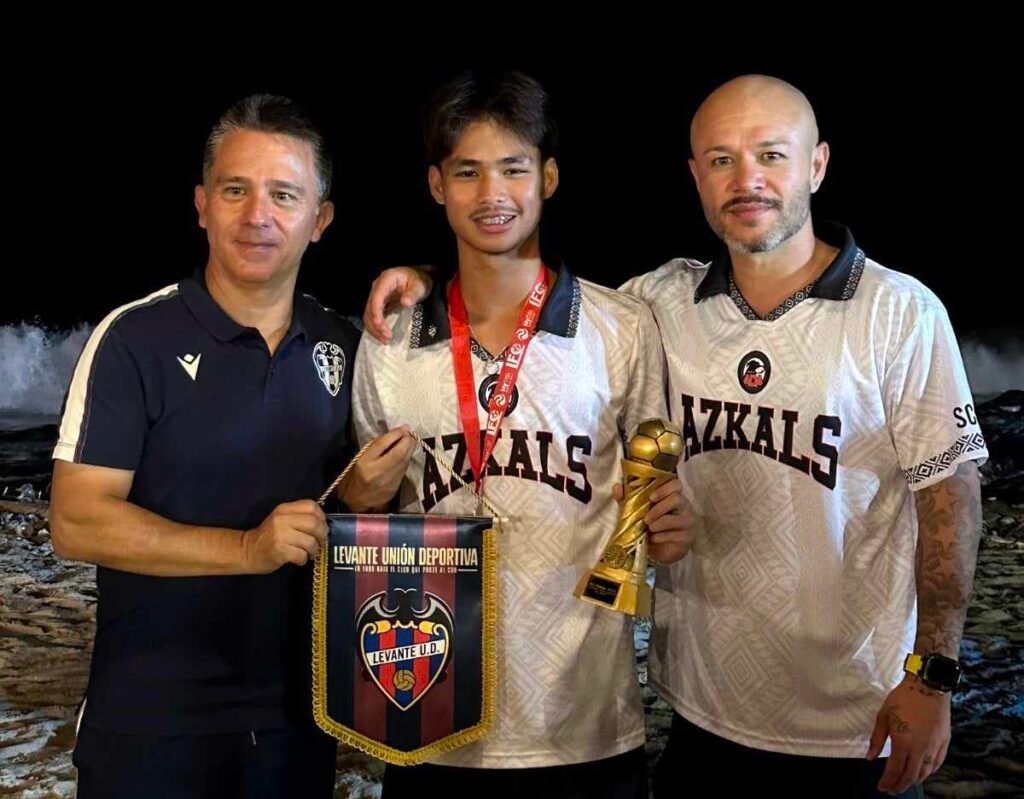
(190, 363)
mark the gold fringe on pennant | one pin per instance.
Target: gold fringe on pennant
(489, 622)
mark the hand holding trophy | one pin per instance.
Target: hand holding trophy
(619, 580)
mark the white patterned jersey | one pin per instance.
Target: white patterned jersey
(806, 433)
(567, 688)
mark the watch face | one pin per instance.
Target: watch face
(941, 671)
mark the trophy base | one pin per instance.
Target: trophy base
(624, 596)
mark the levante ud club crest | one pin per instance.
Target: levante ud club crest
(405, 645)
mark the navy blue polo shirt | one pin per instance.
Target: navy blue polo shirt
(218, 432)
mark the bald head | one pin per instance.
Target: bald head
(753, 98)
(757, 161)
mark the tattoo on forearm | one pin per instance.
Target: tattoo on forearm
(949, 528)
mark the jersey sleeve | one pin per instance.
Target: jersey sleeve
(928, 401)
(104, 421)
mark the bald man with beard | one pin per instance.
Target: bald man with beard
(836, 499)
(808, 643)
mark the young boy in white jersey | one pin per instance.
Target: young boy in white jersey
(573, 381)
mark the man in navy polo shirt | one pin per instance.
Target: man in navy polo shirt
(200, 423)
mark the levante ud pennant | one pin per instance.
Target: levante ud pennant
(403, 626)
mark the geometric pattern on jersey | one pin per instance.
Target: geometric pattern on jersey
(567, 691)
(971, 442)
(786, 626)
(786, 305)
(560, 315)
(839, 281)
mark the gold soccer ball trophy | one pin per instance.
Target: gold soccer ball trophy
(619, 580)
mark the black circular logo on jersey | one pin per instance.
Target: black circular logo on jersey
(754, 372)
(487, 388)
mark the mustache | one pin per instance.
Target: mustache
(753, 200)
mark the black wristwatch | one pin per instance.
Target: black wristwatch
(938, 672)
